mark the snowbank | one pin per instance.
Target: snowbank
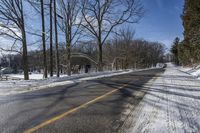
(22, 86)
(21, 76)
(194, 71)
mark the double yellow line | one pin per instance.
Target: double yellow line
(56, 118)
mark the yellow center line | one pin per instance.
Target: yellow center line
(56, 118)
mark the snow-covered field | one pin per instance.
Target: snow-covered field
(21, 86)
(171, 105)
(31, 76)
(36, 76)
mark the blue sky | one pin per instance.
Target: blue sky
(161, 22)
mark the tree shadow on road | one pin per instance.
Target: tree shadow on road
(33, 108)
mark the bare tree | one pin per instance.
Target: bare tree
(125, 38)
(135, 54)
(102, 16)
(70, 11)
(51, 39)
(12, 20)
(38, 5)
(119, 49)
(43, 39)
(56, 40)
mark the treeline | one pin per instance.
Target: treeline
(125, 52)
(187, 52)
(119, 53)
(66, 27)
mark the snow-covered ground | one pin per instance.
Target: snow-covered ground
(38, 76)
(194, 71)
(171, 105)
(31, 76)
(21, 86)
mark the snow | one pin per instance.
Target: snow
(171, 105)
(194, 71)
(21, 86)
(11, 87)
(31, 76)
(36, 76)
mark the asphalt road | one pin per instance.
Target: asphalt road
(95, 106)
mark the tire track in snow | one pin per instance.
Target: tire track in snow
(188, 112)
(171, 105)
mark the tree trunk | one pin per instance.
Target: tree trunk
(68, 39)
(69, 63)
(69, 28)
(100, 57)
(116, 64)
(56, 41)
(100, 62)
(135, 65)
(43, 40)
(122, 61)
(68, 57)
(51, 41)
(68, 47)
(25, 58)
(24, 45)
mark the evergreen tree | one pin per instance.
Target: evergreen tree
(190, 47)
(175, 50)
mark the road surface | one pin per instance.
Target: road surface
(151, 101)
(96, 106)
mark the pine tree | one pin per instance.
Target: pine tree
(175, 50)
